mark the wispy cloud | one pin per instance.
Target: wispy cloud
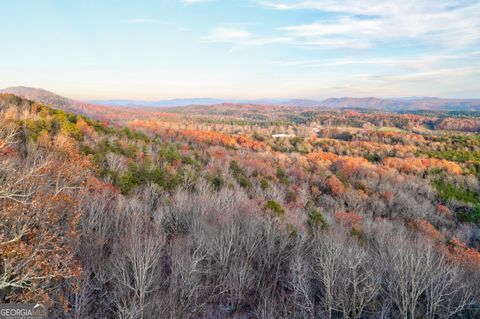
(148, 21)
(138, 21)
(240, 37)
(190, 2)
(408, 63)
(432, 75)
(362, 24)
(227, 34)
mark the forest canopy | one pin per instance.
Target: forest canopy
(242, 214)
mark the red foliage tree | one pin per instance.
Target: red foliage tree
(349, 219)
(336, 186)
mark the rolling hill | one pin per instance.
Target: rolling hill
(92, 108)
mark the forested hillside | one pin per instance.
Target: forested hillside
(231, 212)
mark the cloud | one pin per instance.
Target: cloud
(415, 74)
(408, 63)
(372, 7)
(189, 2)
(148, 21)
(363, 24)
(227, 34)
(240, 37)
(346, 32)
(367, 24)
(138, 21)
(436, 75)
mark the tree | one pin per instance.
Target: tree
(39, 213)
(336, 186)
(135, 265)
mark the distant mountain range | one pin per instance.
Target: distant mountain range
(410, 103)
(160, 103)
(397, 104)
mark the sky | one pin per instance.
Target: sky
(242, 49)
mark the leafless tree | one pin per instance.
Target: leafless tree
(448, 291)
(302, 288)
(135, 264)
(325, 258)
(359, 282)
(187, 293)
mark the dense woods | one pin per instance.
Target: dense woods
(231, 212)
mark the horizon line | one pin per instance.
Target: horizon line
(238, 99)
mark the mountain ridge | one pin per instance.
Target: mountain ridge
(391, 104)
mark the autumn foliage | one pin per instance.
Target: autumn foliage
(238, 211)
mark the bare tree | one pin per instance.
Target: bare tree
(302, 288)
(448, 292)
(326, 256)
(359, 282)
(188, 294)
(135, 264)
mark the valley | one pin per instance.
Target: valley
(238, 209)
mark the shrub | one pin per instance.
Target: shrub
(275, 207)
(449, 191)
(264, 183)
(170, 154)
(127, 182)
(217, 182)
(472, 216)
(239, 175)
(282, 176)
(357, 233)
(316, 221)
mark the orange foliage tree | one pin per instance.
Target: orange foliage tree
(39, 213)
(413, 165)
(336, 186)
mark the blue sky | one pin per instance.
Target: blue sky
(123, 49)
